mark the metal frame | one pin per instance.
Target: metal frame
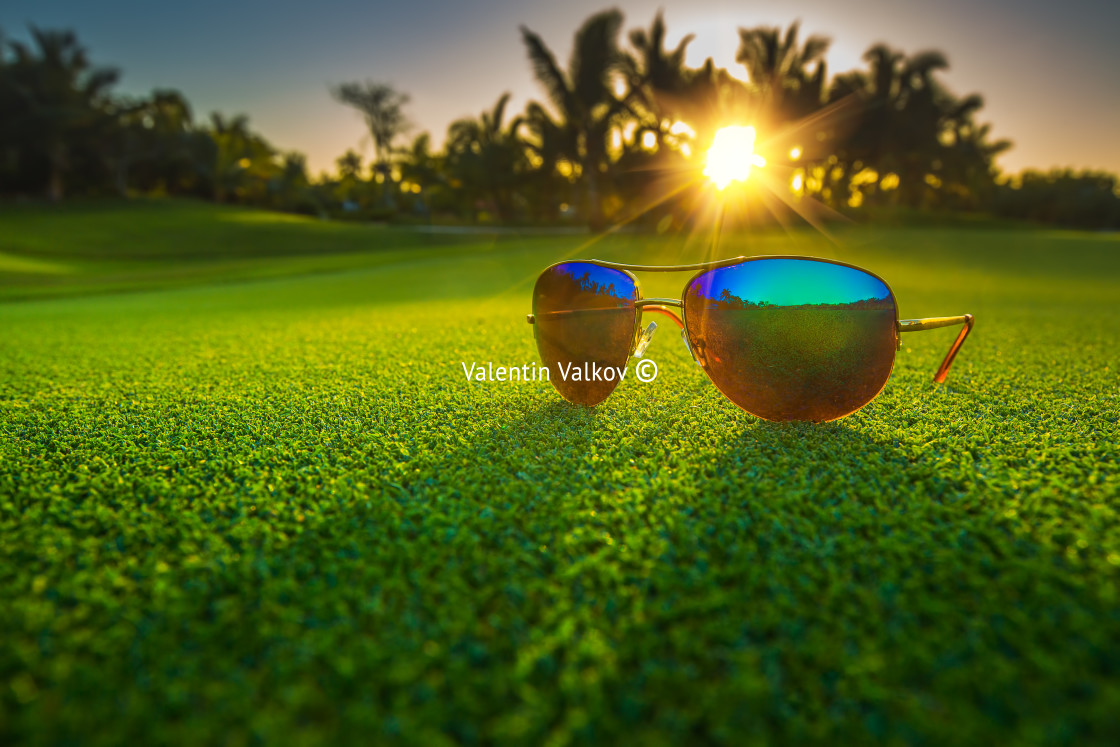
(920, 325)
(660, 305)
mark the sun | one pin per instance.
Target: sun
(731, 156)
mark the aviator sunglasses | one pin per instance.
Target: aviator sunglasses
(783, 337)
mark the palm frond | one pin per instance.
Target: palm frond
(924, 63)
(499, 112)
(595, 57)
(676, 57)
(815, 48)
(546, 71)
(787, 50)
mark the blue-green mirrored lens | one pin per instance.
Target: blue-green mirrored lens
(793, 339)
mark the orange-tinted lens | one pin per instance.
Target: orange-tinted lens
(793, 339)
(585, 319)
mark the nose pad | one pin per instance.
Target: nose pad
(684, 337)
(643, 340)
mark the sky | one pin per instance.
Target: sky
(1049, 71)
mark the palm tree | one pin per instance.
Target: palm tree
(424, 170)
(9, 146)
(913, 126)
(584, 98)
(349, 165)
(657, 76)
(550, 143)
(244, 160)
(488, 157)
(348, 188)
(966, 153)
(382, 106)
(777, 66)
(873, 142)
(60, 101)
(923, 107)
(173, 127)
(290, 188)
(150, 136)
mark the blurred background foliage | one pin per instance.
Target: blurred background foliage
(619, 136)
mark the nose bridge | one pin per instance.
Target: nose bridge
(661, 306)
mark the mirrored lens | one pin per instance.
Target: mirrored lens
(793, 339)
(585, 320)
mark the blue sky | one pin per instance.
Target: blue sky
(1048, 71)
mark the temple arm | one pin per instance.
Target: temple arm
(917, 325)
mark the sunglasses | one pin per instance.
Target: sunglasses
(783, 337)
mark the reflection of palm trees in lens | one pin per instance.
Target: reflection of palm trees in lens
(584, 314)
(587, 285)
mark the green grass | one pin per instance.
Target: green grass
(276, 510)
(104, 247)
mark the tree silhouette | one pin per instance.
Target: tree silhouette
(658, 79)
(583, 95)
(621, 132)
(549, 144)
(243, 160)
(486, 157)
(151, 141)
(777, 66)
(382, 106)
(57, 100)
(913, 127)
(425, 171)
(349, 165)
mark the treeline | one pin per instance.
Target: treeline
(728, 301)
(64, 132)
(620, 136)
